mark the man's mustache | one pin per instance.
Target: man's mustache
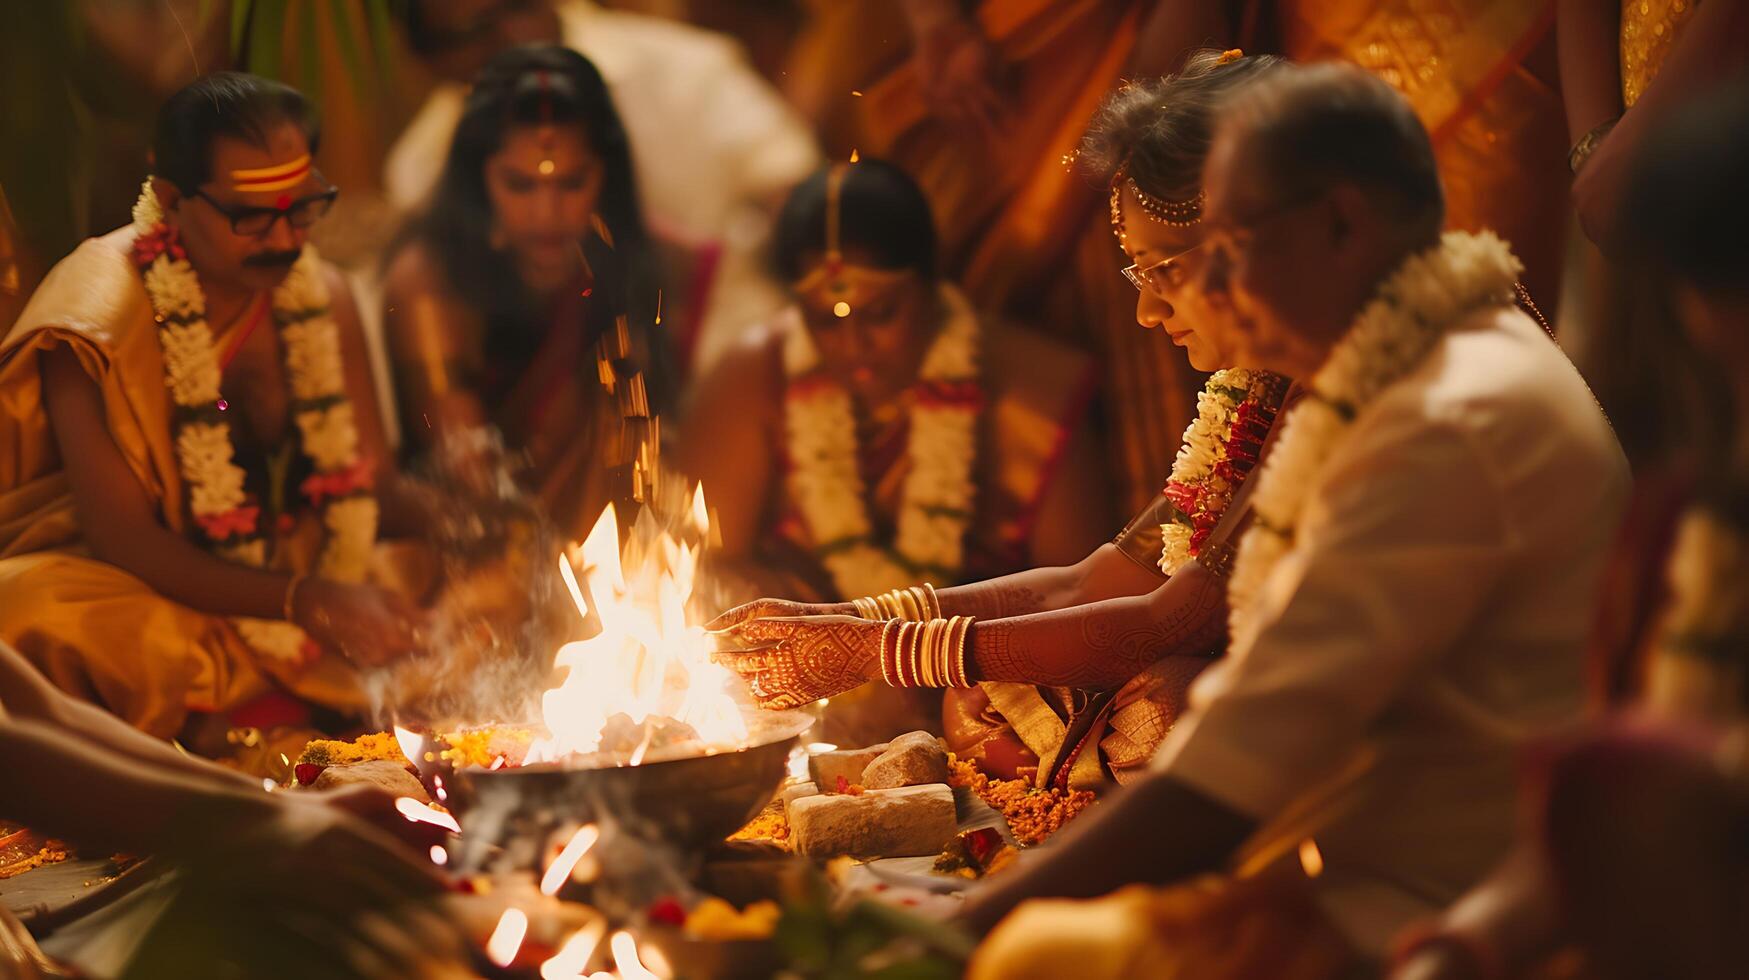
(271, 260)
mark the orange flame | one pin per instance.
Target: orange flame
(648, 660)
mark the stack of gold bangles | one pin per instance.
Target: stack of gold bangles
(915, 603)
(931, 653)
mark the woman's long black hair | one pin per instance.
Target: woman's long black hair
(538, 85)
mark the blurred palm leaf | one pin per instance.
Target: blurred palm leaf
(67, 102)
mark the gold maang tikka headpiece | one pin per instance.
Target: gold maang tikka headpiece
(836, 283)
(1178, 214)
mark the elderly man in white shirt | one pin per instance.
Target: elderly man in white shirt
(714, 146)
(1409, 604)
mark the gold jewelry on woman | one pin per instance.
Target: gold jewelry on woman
(926, 654)
(1588, 144)
(918, 602)
(1177, 214)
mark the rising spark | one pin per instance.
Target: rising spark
(573, 958)
(411, 743)
(625, 957)
(418, 812)
(507, 938)
(561, 868)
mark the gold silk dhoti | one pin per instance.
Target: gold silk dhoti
(1075, 739)
(92, 628)
(1080, 739)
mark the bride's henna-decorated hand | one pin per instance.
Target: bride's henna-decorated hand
(792, 661)
(773, 608)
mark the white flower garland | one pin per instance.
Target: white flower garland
(1204, 446)
(938, 495)
(1389, 338)
(320, 409)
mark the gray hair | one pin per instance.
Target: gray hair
(1157, 130)
(1314, 126)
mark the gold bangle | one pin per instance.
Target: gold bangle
(889, 607)
(291, 593)
(907, 655)
(920, 655)
(961, 674)
(912, 606)
(899, 653)
(868, 609)
(888, 648)
(931, 660)
(920, 599)
(933, 600)
(951, 652)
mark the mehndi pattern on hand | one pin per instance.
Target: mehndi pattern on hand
(792, 661)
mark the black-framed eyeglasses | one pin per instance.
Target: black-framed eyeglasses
(254, 222)
(1162, 276)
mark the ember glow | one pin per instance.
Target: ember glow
(418, 812)
(573, 958)
(412, 744)
(507, 938)
(625, 958)
(648, 663)
(1311, 859)
(561, 868)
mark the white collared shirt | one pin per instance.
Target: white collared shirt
(1427, 624)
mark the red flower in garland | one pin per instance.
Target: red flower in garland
(237, 520)
(1183, 496)
(1200, 535)
(162, 238)
(949, 394)
(361, 475)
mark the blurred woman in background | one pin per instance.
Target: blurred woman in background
(524, 299)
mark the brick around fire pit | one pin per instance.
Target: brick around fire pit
(916, 759)
(913, 821)
(824, 768)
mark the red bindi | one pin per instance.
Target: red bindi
(282, 202)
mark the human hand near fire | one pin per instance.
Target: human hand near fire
(774, 609)
(290, 873)
(365, 624)
(790, 661)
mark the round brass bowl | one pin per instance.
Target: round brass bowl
(689, 803)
